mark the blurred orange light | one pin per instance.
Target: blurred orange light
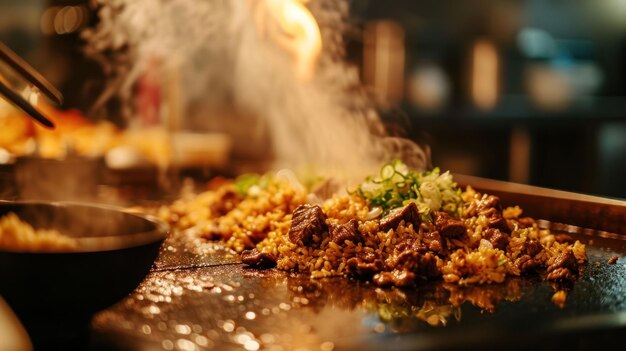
(300, 33)
(63, 19)
(383, 60)
(484, 76)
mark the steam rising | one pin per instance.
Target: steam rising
(223, 59)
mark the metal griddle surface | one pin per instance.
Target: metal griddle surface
(199, 297)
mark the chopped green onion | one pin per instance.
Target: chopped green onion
(397, 185)
(387, 172)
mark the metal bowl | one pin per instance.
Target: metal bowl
(55, 294)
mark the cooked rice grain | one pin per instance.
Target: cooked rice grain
(17, 235)
(262, 221)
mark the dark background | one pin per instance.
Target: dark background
(576, 144)
(579, 145)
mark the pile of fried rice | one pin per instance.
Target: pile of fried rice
(17, 235)
(396, 228)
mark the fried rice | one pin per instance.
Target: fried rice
(461, 237)
(17, 235)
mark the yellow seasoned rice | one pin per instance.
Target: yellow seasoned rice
(17, 235)
(262, 220)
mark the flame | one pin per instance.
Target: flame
(298, 32)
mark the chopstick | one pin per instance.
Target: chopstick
(33, 77)
(30, 74)
(24, 105)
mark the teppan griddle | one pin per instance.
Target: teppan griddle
(199, 297)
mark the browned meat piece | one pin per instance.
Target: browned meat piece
(408, 213)
(564, 238)
(229, 199)
(428, 266)
(365, 264)
(564, 268)
(526, 264)
(413, 257)
(410, 244)
(565, 260)
(526, 222)
(490, 207)
(470, 209)
(489, 202)
(612, 260)
(258, 259)
(407, 259)
(532, 247)
(447, 226)
(394, 278)
(498, 222)
(306, 221)
(343, 232)
(498, 239)
(434, 243)
(562, 275)
(486, 206)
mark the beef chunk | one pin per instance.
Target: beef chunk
(562, 275)
(419, 262)
(565, 260)
(394, 278)
(365, 264)
(489, 202)
(343, 232)
(498, 239)
(490, 207)
(363, 268)
(526, 264)
(306, 221)
(406, 259)
(564, 268)
(428, 266)
(408, 213)
(526, 222)
(434, 243)
(258, 259)
(487, 206)
(410, 244)
(447, 226)
(532, 248)
(498, 222)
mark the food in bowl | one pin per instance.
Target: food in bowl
(55, 293)
(397, 228)
(17, 235)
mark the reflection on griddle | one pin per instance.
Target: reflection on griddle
(212, 302)
(403, 310)
(231, 305)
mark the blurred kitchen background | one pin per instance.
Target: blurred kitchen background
(527, 91)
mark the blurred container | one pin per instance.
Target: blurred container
(429, 87)
(556, 87)
(70, 179)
